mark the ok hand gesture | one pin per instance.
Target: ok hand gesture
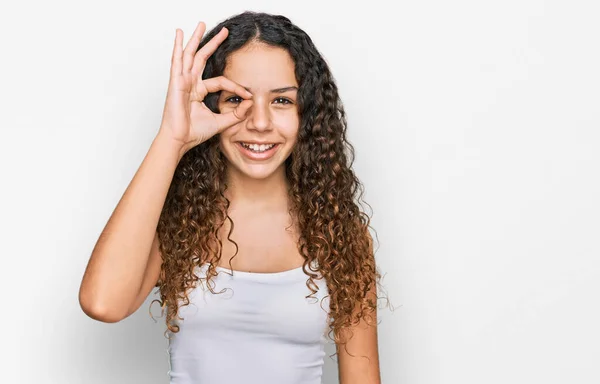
(185, 117)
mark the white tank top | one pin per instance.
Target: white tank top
(260, 330)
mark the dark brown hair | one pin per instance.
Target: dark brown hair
(325, 194)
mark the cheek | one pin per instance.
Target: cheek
(288, 125)
(230, 132)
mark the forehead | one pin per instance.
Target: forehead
(261, 66)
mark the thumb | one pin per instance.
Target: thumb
(228, 119)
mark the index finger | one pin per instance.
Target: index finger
(208, 49)
(192, 45)
(215, 84)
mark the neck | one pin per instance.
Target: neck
(251, 194)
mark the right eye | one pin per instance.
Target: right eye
(234, 99)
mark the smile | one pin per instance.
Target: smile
(258, 148)
(257, 151)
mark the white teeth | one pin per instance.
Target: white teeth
(257, 147)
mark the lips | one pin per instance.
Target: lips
(257, 147)
(253, 154)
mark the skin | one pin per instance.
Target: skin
(268, 73)
(258, 189)
(120, 274)
(359, 359)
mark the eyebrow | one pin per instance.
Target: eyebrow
(277, 90)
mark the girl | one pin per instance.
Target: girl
(245, 214)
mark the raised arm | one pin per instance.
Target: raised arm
(125, 262)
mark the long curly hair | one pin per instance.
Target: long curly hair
(325, 194)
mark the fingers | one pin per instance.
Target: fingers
(215, 84)
(226, 120)
(176, 60)
(208, 49)
(188, 60)
(192, 46)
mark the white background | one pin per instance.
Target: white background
(476, 128)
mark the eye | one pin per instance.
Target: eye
(234, 99)
(283, 100)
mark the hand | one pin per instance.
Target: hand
(185, 117)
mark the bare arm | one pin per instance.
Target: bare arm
(125, 262)
(358, 360)
(118, 262)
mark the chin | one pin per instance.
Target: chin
(258, 172)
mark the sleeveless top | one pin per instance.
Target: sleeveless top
(261, 330)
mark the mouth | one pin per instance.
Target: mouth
(258, 151)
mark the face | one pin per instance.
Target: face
(258, 146)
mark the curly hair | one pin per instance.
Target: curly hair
(325, 194)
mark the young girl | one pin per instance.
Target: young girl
(245, 214)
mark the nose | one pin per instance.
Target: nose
(259, 116)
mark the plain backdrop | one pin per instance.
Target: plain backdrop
(476, 130)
